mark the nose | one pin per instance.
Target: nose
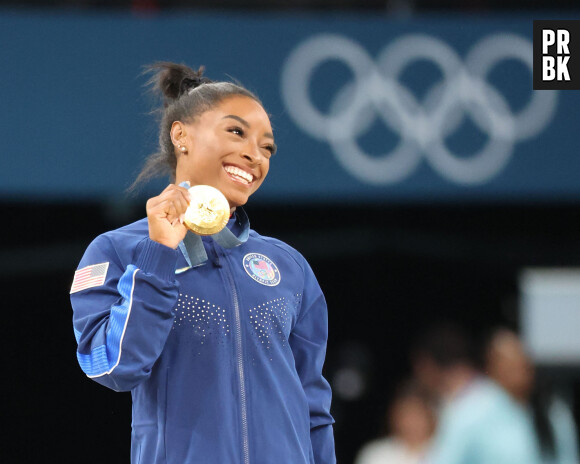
(252, 155)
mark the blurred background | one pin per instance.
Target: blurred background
(418, 172)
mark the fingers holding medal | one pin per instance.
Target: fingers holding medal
(165, 215)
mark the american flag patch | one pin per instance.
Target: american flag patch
(90, 276)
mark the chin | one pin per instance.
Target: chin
(238, 197)
(237, 201)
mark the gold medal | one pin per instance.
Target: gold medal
(208, 212)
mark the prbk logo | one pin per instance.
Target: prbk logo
(557, 55)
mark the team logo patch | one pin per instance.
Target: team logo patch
(262, 269)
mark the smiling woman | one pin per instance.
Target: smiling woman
(221, 339)
(228, 148)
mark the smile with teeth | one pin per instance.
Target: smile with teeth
(239, 174)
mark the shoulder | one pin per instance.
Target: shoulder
(128, 233)
(135, 230)
(379, 450)
(120, 241)
(481, 402)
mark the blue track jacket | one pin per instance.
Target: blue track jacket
(223, 356)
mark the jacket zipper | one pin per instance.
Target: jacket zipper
(240, 366)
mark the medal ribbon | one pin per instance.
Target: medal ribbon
(192, 245)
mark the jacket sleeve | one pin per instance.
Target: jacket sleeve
(121, 326)
(308, 343)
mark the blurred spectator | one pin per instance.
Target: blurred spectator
(479, 423)
(443, 361)
(509, 365)
(410, 422)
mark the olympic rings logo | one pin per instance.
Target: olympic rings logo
(421, 126)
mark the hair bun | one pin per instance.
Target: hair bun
(173, 80)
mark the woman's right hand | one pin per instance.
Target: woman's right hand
(165, 215)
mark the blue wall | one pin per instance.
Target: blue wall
(364, 108)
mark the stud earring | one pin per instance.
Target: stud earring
(183, 149)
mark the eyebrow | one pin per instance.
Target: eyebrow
(237, 118)
(245, 123)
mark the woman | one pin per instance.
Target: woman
(410, 421)
(510, 366)
(224, 362)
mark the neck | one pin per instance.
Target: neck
(457, 378)
(414, 444)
